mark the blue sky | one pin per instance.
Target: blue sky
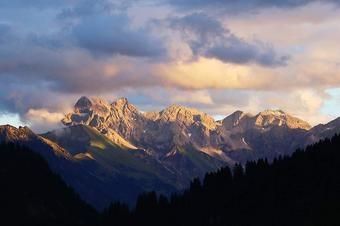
(219, 57)
(12, 119)
(332, 106)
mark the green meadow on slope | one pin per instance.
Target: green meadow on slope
(87, 144)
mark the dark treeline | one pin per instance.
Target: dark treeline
(31, 194)
(303, 189)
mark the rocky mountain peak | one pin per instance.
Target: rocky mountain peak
(188, 116)
(157, 132)
(276, 113)
(122, 101)
(11, 133)
(123, 106)
(84, 103)
(95, 104)
(235, 119)
(279, 118)
(175, 109)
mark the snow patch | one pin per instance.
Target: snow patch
(244, 141)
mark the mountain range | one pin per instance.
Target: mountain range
(113, 151)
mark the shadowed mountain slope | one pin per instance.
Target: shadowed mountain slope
(302, 189)
(31, 194)
(99, 170)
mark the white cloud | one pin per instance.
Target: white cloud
(41, 120)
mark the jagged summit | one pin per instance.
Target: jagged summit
(23, 135)
(83, 103)
(122, 107)
(186, 115)
(95, 110)
(264, 119)
(273, 112)
(88, 105)
(11, 133)
(177, 108)
(235, 119)
(122, 101)
(122, 115)
(279, 118)
(158, 132)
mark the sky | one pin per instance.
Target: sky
(218, 56)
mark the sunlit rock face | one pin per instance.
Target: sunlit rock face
(158, 133)
(279, 118)
(9, 133)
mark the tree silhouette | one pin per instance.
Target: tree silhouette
(31, 194)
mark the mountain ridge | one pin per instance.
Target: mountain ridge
(158, 131)
(171, 112)
(106, 148)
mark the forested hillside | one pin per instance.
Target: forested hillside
(30, 194)
(303, 189)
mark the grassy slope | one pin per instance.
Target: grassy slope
(111, 156)
(200, 160)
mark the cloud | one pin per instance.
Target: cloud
(207, 37)
(103, 28)
(45, 115)
(208, 73)
(41, 4)
(42, 120)
(240, 52)
(200, 97)
(5, 32)
(241, 6)
(112, 34)
(199, 57)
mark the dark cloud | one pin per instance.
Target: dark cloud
(5, 32)
(239, 6)
(112, 34)
(199, 23)
(91, 7)
(240, 52)
(103, 28)
(84, 6)
(207, 37)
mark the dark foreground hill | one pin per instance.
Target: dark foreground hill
(303, 189)
(30, 194)
(98, 169)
